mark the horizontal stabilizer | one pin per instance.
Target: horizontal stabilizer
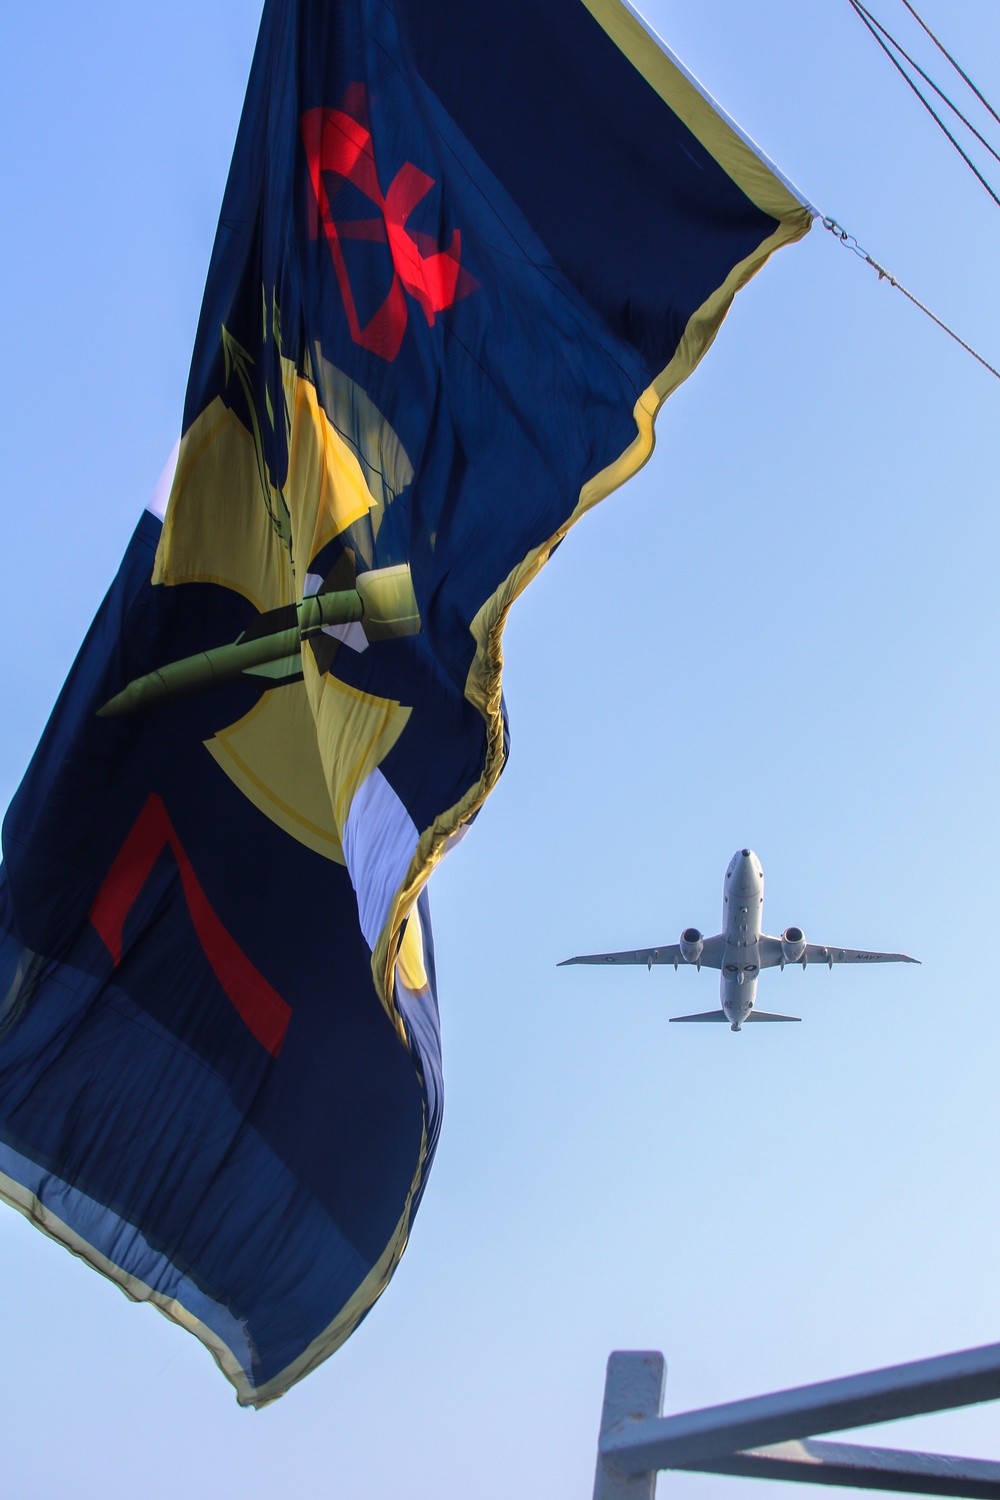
(769, 1015)
(705, 1015)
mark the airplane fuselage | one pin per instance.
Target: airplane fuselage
(742, 906)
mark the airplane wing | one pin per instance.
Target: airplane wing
(816, 953)
(669, 953)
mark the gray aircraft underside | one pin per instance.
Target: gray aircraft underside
(741, 949)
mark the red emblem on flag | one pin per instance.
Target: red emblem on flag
(339, 150)
(259, 1005)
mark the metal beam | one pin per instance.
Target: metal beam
(694, 1438)
(856, 1467)
(633, 1389)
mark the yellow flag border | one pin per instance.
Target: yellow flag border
(764, 186)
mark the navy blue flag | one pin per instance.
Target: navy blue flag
(465, 252)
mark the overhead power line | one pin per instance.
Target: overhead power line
(871, 21)
(895, 51)
(850, 243)
(887, 42)
(958, 69)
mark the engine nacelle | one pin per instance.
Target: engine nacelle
(691, 945)
(793, 945)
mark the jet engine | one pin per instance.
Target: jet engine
(691, 944)
(793, 945)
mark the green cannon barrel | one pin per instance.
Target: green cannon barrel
(223, 664)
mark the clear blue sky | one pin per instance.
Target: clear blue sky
(782, 633)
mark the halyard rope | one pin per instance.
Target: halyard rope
(851, 243)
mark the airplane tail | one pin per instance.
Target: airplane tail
(705, 1015)
(769, 1015)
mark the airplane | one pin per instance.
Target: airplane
(741, 950)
